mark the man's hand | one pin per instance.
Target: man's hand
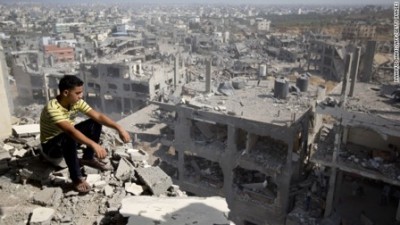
(124, 135)
(100, 152)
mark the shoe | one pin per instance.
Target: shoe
(95, 164)
(57, 162)
(82, 186)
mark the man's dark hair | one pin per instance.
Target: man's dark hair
(69, 82)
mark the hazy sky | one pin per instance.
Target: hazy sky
(297, 2)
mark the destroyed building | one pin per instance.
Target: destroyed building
(122, 84)
(34, 82)
(359, 152)
(223, 143)
(357, 30)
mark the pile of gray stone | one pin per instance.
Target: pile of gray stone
(51, 199)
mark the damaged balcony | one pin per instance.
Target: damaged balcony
(209, 136)
(203, 175)
(264, 153)
(379, 161)
(254, 186)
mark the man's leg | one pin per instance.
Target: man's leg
(64, 146)
(92, 130)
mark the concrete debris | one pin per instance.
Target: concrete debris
(20, 153)
(8, 147)
(108, 190)
(93, 178)
(42, 216)
(137, 154)
(133, 188)
(149, 210)
(155, 178)
(48, 197)
(26, 130)
(125, 169)
(90, 170)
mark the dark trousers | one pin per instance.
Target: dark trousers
(63, 145)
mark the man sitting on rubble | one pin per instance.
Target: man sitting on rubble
(60, 137)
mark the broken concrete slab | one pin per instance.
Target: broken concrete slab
(26, 130)
(149, 210)
(108, 190)
(133, 188)
(137, 154)
(8, 147)
(90, 170)
(124, 170)
(48, 197)
(19, 153)
(155, 178)
(100, 184)
(42, 216)
(93, 178)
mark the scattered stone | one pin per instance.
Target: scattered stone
(90, 170)
(19, 153)
(48, 197)
(93, 178)
(71, 193)
(100, 184)
(155, 178)
(108, 190)
(133, 188)
(42, 216)
(8, 147)
(137, 154)
(124, 170)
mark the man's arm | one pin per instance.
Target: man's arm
(81, 138)
(104, 120)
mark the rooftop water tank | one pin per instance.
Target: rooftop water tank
(263, 70)
(302, 83)
(281, 88)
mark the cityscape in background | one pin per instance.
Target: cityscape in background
(288, 112)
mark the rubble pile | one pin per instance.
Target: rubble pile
(43, 194)
(357, 156)
(268, 154)
(325, 143)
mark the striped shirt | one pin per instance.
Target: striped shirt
(54, 113)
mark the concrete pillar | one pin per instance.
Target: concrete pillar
(285, 178)
(5, 110)
(346, 76)
(227, 163)
(354, 70)
(175, 70)
(183, 143)
(345, 135)
(368, 61)
(208, 76)
(332, 179)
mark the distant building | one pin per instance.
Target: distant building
(263, 24)
(60, 54)
(358, 30)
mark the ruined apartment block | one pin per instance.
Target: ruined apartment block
(35, 83)
(359, 154)
(123, 84)
(248, 147)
